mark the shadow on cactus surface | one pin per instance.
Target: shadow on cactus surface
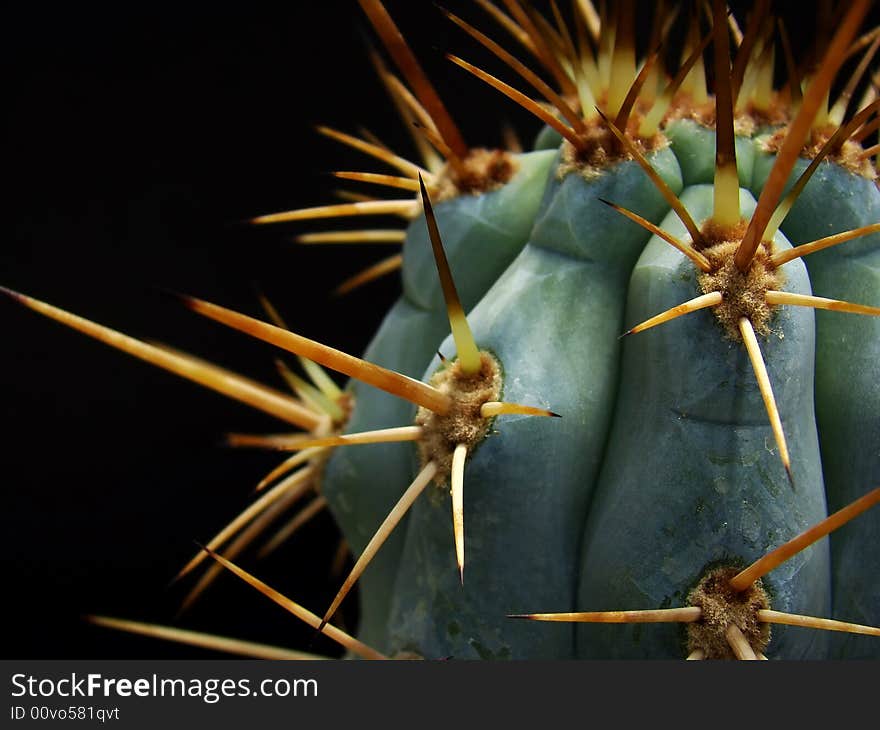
(682, 264)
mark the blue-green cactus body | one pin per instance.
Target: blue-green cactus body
(547, 139)
(694, 147)
(362, 483)
(554, 316)
(482, 234)
(847, 378)
(691, 476)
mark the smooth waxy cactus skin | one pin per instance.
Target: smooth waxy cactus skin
(710, 429)
(358, 505)
(710, 488)
(490, 228)
(847, 377)
(569, 281)
(482, 234)
(694, 147)
(541, 283)
(688, 403)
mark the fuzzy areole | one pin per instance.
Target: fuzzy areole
(601, 149)
(463, 424)
(722, 606)
(482, 171)
(849, 154)
(745, 293)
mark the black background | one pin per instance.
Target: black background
(136, 141)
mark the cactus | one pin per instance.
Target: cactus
(695, 463)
